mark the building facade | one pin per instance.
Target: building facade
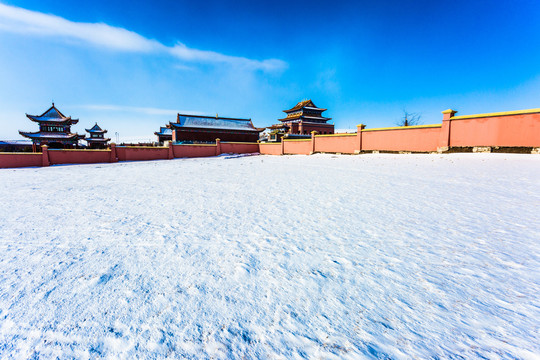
(54, 130)
(96, 138)
(195, 128)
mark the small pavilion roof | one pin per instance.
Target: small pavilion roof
(164, 131)
(96, 130)
(210, 122)
(52, 114)
(304, 104)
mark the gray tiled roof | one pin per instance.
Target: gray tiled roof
(52, 115)
(209, 122)
(96, 129)
(164, 131)
(46, 135)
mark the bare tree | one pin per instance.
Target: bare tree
(409, 119)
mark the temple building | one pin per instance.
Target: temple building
(304, 118)
(195, 128)
(96, 138)
(54, 130)
(164, 134)
(301, 120)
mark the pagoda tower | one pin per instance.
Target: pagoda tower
(96, 138)
(304, 118)
(54, 130)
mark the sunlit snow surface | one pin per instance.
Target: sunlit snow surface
(331, 257)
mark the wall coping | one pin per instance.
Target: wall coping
(342, 134)
(295, 140)
(19, 153)
(504, 113)
(239, 142)
(405, 127)
(193, 145)
(142, 147)
(86, 150)
(270, 143)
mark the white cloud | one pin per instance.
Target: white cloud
(19, 20)
(181, 51)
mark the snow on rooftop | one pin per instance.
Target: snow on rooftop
(372, 256)
(214, 123)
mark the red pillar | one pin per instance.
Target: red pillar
(444, 138)
(313, 133)
(359, 129)
(113, 156)
(218, 147)
(171, 150)
(282, 146)
(45, 156)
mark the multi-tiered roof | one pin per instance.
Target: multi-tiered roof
(96, 136)
(305, 111)
(54, 127)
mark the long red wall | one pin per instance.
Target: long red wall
(270, 148)
(404, 139)
(122, 153)
(297, 147)
(239, 148)
(510, 130)
(346, 144)
(139, 153)
(78, 156)
(14, 160)
(190, 151)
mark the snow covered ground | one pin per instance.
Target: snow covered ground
(318, 257)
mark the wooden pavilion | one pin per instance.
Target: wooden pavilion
(54, 130)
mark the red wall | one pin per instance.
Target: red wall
(346, 144)
(136, 153)
(270, 148)
(515, 129)
(510, 130)
(300, 147)
(411, 139)
(189, 151)
(239, 148)
(78, 156)
(14, 160)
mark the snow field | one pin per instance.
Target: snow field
(283, 257)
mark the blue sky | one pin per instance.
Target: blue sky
(131, 66)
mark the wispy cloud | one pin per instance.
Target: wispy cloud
(19, 20)
(181, 51)
(134, 109)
